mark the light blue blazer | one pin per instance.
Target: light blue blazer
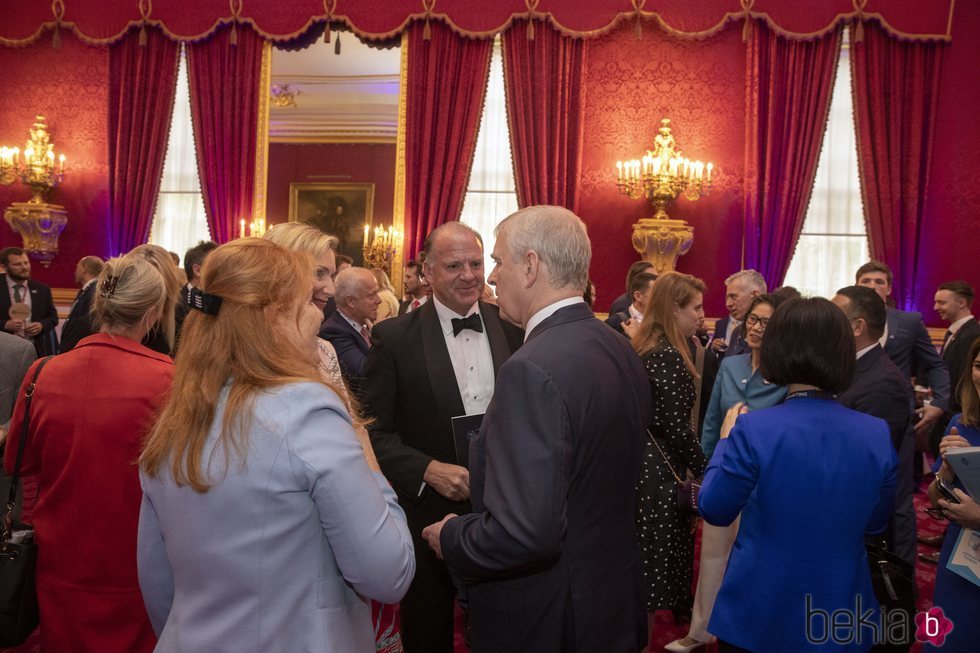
(810, 479)
(736, 382)
(282, 553)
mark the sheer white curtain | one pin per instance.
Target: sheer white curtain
(491, 194)
(834, 241)
(180, 221)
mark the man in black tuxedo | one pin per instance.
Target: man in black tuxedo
(426, 367)
(879, 389)
(78, 324)
(954, 303)
(18, 287)
(348, 329)
(740, 289)
(550, 554)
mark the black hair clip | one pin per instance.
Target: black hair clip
(205, 302)
(108, 286)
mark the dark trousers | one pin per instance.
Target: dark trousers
(427, 609)
(725, 647)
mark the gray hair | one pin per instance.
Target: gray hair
(558, 236)
(350, 282)
(750, 278)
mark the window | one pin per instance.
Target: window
(491, 194)
(833, 242)
(180, 221)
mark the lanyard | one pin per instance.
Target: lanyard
(810, 394)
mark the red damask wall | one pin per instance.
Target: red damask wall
(950, 242)
(69, 87)
(331, 163)
(630, 86)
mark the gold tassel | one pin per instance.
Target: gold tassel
(56, 39)
(530, 30)
(142, 40)
(859, 31)
(747, 30)
(234, 35)
(426, 32)
(638, 30)
(336, 45)
(326, 33)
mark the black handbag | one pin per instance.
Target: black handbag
(18, 555)
(686, 491)
(893, 580)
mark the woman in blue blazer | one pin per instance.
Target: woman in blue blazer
(265, 524)
(810, 479)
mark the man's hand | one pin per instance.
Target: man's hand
(718, 345)
(930, 415)
(630, 327)
(451, 481)
(14, 326)
(34, 328)
(432, 532)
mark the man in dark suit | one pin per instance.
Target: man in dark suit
(640, 289)
(349, 328)
(193, 261)
(907, 343)
(78, 325)
(740, 289)
(550, 554)
(19, 288)
(954, 303)
(426, 367)
(621, 303)
(879, 389)
(415, 288)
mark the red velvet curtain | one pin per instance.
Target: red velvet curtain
(543, 78)
(896, 87)
(788, 90)
(447, 80)
(225, 77)
(142, 85)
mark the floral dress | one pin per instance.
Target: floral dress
(666, 537)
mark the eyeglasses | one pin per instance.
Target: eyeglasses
(754, 319)
(936, 513)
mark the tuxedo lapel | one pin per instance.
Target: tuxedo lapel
(436, 359)
(499, 349)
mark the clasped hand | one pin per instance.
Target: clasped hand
(451, 481)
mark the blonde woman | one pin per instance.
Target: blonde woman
(163, 336)
(265, 523)
(91, 409)
(389, 300)
(666, 540)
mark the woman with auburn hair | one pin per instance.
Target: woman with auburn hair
(265, 523)
(163, 336)
(91, 409)
(666, 539)
(957, 596)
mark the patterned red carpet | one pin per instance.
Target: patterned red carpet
(663, 628)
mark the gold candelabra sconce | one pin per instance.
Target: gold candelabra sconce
(662, 175)
(40, 224)
(379, 250)
(256, 228)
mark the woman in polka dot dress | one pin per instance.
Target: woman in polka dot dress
(665, 533)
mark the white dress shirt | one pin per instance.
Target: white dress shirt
(635, 315)
(471, 358)
(547, 312)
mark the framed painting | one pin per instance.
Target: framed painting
(340, 210)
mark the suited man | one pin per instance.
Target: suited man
(550, 552)
(907, 343)
(621, 303)
(740, 289)
(19, 287)
(879, 389)
(349, 328)
(415, 288)
(425, 368)
(193, 261)
(78, 325)
(640, 289)
(954, 303)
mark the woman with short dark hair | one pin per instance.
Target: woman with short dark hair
(810, 479)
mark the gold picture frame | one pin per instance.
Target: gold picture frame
(338, 209)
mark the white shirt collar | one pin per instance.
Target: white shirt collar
(958, 324)
(635, 314)
(548, 311)
(864, 351)
(357, 327)
(447, 314)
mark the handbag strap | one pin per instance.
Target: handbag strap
(8, 519)
(669, 466)
(699, 384)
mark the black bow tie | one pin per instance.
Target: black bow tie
(471, 322)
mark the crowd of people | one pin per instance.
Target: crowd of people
(268, 449)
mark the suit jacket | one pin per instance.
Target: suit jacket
(42, 310)
(615, 320)
(411, 392)
(954, 355)
(550, 551)
(880, 390)
(621, 304)
(810, 479)
(16, 355)
(280, 554)
(351, 348)
(78, 324)
(738, 346)
(911, 350)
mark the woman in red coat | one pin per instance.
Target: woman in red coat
(92, 407)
